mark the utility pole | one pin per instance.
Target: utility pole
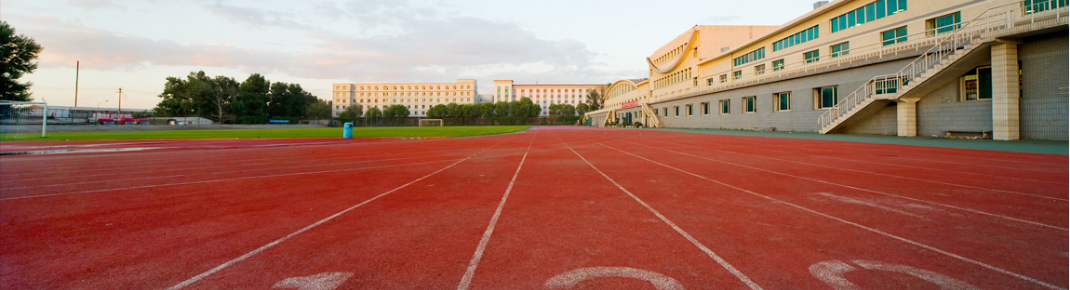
(120, 101)
(77, 66)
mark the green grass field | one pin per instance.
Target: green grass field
(362, 132)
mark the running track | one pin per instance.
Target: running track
(549, 208)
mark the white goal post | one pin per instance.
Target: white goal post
(430, 122)
(12, 111)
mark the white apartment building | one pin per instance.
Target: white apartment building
(545, 95)
(418, 97)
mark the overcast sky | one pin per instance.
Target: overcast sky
(137, 44)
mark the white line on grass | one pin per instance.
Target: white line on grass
(309, 227)
(859, 188)
(471, 271)
(721, 261)
(931, 248)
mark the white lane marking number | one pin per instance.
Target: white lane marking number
(321, 281)
(571, 278)
(832, 273)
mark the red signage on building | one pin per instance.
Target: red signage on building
(629, 104)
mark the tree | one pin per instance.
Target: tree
(437, 112)
(251, 103)
(17, 55)
(351, 113)
(396, 114)
(318, 109)
(594, 100)
(582, 109)
(225, 90)
(372, 116)
(486, 110)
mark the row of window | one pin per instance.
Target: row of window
(752, 56)
(409, 94)
(620, 90)
(798, 38)
(362, 101)
(676, 77)
(439, 87)
(937, 25)
(824, 97)
(669, 55)
(871, 12)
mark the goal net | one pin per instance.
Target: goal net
(23, 120)
(430, 122)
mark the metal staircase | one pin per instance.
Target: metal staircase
(993, 22)
(651, 116)
(610, 117)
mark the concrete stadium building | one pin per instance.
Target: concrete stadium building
(545, 94)
(992, 68)
(418, 97)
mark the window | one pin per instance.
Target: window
(665, 111)
(798, 38)
(943, 24)
(725, 107)
(748, 105)
(689, 112)
(812, 56)
(873, 11)
(749, 57)
(737, 75)
(677, 109)
(709, 82)
(825, 97)
(782, 101)
(894, 36)
(759, 69)
(1034, 6)
(778, 64)
(840, 49)
(724, 78)
(706, 108)
(977, 84)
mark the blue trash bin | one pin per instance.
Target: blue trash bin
(347, 130)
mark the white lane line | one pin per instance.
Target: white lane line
(859, 189)
(931, 248)
(219, 180)
(721, 261)
(882, 174)
(309, 227)
(206, 162)
(866, 203)
(210, 173)
(471, 271)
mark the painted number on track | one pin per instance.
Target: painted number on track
(832, 273)
(321, 281)
(571, 278)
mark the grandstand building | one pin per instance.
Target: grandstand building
(418, 97)
(990, 68)
(545, 94)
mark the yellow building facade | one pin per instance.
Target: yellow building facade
(417, 97)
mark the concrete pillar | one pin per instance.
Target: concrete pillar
(1005, 96)
(906, 117)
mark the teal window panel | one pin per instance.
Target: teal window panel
(828, 97)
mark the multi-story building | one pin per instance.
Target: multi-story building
(545, 95)
(889, 67)
(418, 97)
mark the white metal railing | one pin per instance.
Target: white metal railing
(651, 115)
(972, 32)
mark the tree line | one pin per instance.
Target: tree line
(519, 112)
(252, 101)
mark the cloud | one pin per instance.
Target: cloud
(424, 44)
(92, 4)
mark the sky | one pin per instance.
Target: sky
(136, 45)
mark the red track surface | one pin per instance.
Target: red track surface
(550, 208)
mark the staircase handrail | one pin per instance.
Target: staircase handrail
(961, 35)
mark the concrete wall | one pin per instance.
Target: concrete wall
(802, 117)
(1044, 87)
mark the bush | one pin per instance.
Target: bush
(250, 120)
(638, 124)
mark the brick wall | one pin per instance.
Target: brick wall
(1044, 87)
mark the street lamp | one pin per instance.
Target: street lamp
(98, 104)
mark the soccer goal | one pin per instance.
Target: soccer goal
(430, 122)
(20, 120)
